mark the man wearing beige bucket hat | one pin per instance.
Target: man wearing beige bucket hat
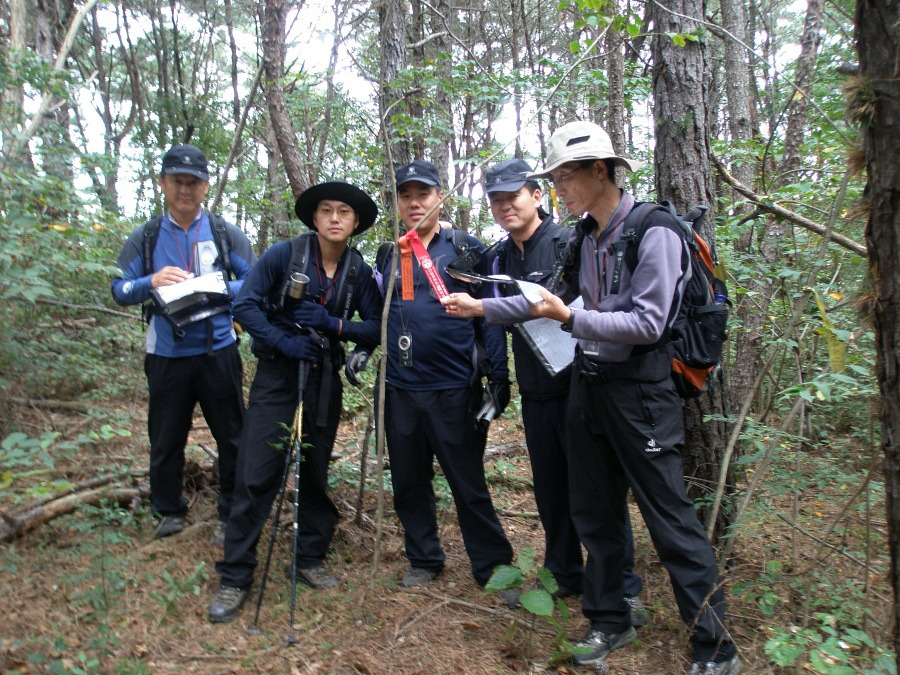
(298, 338)
(625, 419)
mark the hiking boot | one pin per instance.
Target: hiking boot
(510, 597)
(167, 526)
(636, 611)
(417, 576)
(218, 535)
(227, 603)
(315, 577)
(596, 645)
(730, 667)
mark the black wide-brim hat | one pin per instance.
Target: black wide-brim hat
(339, 191)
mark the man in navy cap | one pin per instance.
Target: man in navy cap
(198, 361)
(434, 388)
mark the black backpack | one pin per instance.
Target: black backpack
(697, 326)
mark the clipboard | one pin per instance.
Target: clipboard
(554, 348)
(194, 299)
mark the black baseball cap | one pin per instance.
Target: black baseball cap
(507, 176)
(338, 191)
(420, 170)
(185, 159)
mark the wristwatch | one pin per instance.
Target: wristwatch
(569, 323)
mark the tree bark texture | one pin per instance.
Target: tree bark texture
(683, 176)
(615, 73)
(878, 34)
(748, 343)
(391, 20)
(799, 103)
(273, 63)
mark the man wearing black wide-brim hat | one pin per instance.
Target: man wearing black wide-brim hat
(305, 322)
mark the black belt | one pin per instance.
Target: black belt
(652, 366)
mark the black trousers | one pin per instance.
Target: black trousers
(628, 433)
(545, 436)
(175, 386)
(265, 451)
(422, 425)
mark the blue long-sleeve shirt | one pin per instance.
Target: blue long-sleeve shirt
(175, 247)
(443, 346)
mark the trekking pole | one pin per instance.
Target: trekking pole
(293, 454)
(279, 499)
(297, 451)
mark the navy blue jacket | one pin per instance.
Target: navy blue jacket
(253, 306)
(541, 252)
(443, 346)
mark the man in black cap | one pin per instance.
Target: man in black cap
(197, 361)
(531, 252)
(286, 330)
(434, 389)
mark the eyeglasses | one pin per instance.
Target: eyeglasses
(343, 212)
(561, 180)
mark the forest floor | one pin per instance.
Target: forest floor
(94, 592)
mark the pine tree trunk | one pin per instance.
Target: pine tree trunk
(273, 62)
(878, 34)
(683, 177)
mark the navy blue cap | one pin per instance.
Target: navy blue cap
(185, 159)
(507, 176)
(420, 170)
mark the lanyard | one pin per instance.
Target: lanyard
(409, 244)
(175, 228)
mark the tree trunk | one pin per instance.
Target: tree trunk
(56, 149)
(748, 343)
(615, 73)
(391, 20)
(273, 30)
(878, 34)
(799, 103)
(683, 177)
(11, 106)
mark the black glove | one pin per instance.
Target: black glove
(303, 347)
(500, 393)
(356, 363)
(313, 315)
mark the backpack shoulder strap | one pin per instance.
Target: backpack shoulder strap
(626, 246)
(151, 234)
(349, 277)
(223, 243)
(298, 262)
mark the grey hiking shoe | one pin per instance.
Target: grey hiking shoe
(730, 667)
(217, 538)
(417, 576)
(316, 577)
(596, 645)
(167, 526)
(636, 611)
(227, 603)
